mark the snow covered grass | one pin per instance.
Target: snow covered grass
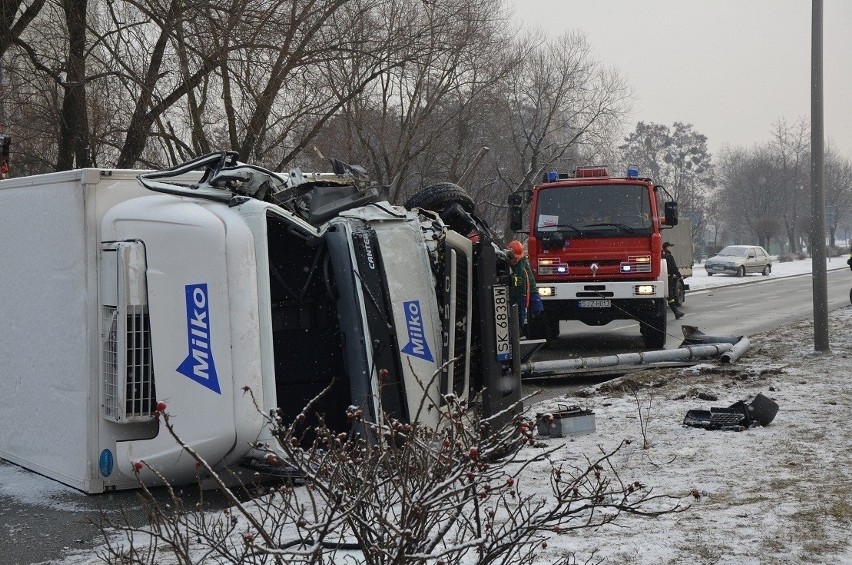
(778, 494)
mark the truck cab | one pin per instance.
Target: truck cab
(595, 247)
(226, 292)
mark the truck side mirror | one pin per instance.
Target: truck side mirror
(670, 213)
(516, 215)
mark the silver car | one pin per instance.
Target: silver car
(739, 260)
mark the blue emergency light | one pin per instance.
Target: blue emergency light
(553, 176)
(633, 172)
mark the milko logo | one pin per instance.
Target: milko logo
(417, 345)
(199, 365)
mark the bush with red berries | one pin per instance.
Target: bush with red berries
(394, 493)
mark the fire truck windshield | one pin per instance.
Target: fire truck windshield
(599, 209)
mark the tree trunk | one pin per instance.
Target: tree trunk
(792, 240)
(74, 121)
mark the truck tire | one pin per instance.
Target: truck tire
(543, 326)
(438, 196)
(653, 327)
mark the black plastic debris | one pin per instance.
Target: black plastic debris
(760, 410)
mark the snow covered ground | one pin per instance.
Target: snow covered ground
(778, 494)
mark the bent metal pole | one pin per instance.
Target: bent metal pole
(555, 367)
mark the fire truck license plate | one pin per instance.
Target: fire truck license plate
(595, 303)
(503, 345)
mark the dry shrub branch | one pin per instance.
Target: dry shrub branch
(390, 493)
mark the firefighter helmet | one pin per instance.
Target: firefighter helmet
(517, 248)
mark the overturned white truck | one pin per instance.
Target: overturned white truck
(191, 285)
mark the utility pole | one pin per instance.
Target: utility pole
(3, 124)
(818, 266)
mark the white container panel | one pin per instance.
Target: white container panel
(190, 332)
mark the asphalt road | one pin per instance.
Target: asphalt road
(41, 521)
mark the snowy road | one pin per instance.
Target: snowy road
(717, 305)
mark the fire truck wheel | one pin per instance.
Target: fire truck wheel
(653, 327)
(543, 326)
(553, 328)
(438, 196)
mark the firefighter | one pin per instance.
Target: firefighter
(674, 277)
(524, 292)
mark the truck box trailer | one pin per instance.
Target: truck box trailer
(201, 284)
(680, 236)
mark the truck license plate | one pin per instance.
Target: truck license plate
(503, 345)
(595, 303)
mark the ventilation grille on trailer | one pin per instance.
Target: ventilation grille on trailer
(128, 393)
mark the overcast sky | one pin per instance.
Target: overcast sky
(731, 68)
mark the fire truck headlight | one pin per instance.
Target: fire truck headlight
(546, 291)
(643, 289)
(546, 266)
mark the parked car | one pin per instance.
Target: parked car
(739, 260)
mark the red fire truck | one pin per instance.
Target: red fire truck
(595, 247)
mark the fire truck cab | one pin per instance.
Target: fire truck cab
(595, 246)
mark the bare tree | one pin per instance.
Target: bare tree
(163, 32)
(790, 147)
(450, 54)
(838, 193)
(15, 16)
(415, 90)
(562, 100)
(750, 183)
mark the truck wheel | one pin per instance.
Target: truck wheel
(543, 326)
(438, 196)
(653, 327)
(553, 327)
